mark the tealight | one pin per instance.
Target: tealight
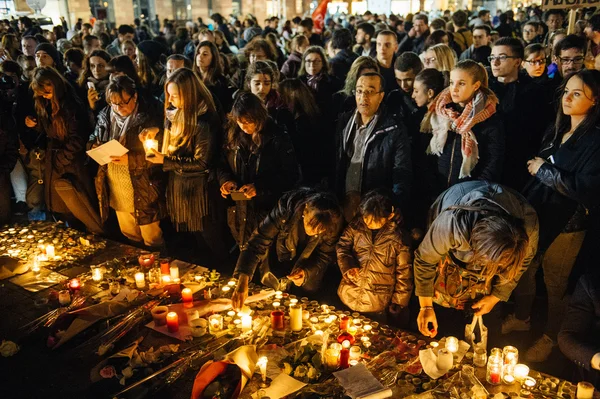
(246, 322)
(50, 251)
(293, 301)
(97, 273)
(166, 280)
(140, 280)
(520, 372)
(231, 283)
(226, 289)
(276, 304)
(231, 313)
(452, 344)
(529, 382)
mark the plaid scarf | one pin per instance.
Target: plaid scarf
(442, 117)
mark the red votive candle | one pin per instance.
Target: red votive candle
(165, 268)
(346, 336)
(344, 322)
(74, 284)
(146, 261)
(277, 320)
(172, 322)
(188, 299)
(495, 378)
(345, 355)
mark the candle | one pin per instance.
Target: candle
(353, 362)
(444, 360)
(35, 267)
(246, 322)
(74, 284)
(64, 297)
(50, 251)
(146, 261)
(355, 352)
(174, 272)
(188, 299)
(367, 328)
(166, 280)
(262, 366)
(346, 336)
(520, 372)
(345, 354)
(231, 283)
(452, 344)
(226, 289)
(165, 268)
(159, 315)
(332, 357)
(494, 369)
(296, 317)
(215, 323)
(276, 304)
(510, 355)
(191, 314)
(352, 330)
(97, 273)
(231, 313)
(508, 379)
(293, 301)
(198, 327)
(434, 344)
(149, 145)
(344, 322)
(585, 390)
(277, 320)
(172, 322)
(140, 280)
(305, 315)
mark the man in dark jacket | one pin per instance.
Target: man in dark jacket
(130, 184)
(125, 32)
(9, 152)
(373, 148)
(341, 42)
(365, 32)
(521, 108)
(415, 39)
(578, 337)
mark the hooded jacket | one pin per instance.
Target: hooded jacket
(385, 264)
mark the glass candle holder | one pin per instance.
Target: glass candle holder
(445, 359)
(277, 320)
(452, 344)
(159, 315)
(510, 356)
(215, 323)
(97, 273)
(140, 280)
(520, 372)
(64, 297)
(146, 261)
(494, 370)
(480, 357)
(332, 357)
(114, 287)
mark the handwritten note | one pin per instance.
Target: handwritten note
(282, 386)
(103, 153)
(359, 383)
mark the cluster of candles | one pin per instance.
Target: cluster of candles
(48, 253)
(503, 367)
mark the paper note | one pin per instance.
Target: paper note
(103, 153)
(359, 383)
(282, 386)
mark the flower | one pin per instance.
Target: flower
(108, 372)
(300, 371)
(127, 372)
(313, 373)
(287, 368)
(8, 348)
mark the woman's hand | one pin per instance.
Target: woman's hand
(533, 165)
(425, 317)
(93, 97)
(158, 158)
(249, 190)
(148, 133)
(240, 293)
(297, 277)
(227, 188)
(122, 160)
(485, 305)
(30, 121)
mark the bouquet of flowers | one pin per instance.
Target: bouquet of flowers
(304, 361)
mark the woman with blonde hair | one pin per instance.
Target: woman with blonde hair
(468, 137)
(344, 100)
(440, 57)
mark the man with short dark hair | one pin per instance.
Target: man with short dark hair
(483, 18)
(364, 38)
(463, 37)
(341, 43)
(554, 20)
(387, 44)
(28, 44)
(480, 49)
(306, 28)
(373, 148)
(406, 68)
(271, 27)
(592, 31)
(569, 55)
(415, 39)
(175, 62)
(521, 108)
(125, 32)
(27, 28)
(91, 43)
(530, 33)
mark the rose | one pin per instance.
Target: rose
(108, 372)
(8, 348)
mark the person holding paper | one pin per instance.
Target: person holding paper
(129, 184)
(65, 121)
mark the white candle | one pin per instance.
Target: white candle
(276, 304)
(293, 301)
(174, 272)
(246, 322)
(50, 251)
(140, 280)
(585, 390)
(166, 280)
(35, 267)
(231, 283)
(520, 372)
(226, 289)
(64, 297)
(452, 344)
(444, 360)
(296, 317)
(231, 313)
(262, 365)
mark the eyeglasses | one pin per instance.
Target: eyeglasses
(500, 58)
(366, 93)
(119, 105)
(536, 62)
(575, 61)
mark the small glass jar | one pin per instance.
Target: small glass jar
(114, 287)
(494, 370)
(480, 357)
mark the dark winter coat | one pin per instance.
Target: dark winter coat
(387, 161)
(567, 186)
(282, 232)
(414, 44)
(223, 90)
(327, 87)
(341, 63)
(147, 179)
(385, 264)
(291, 66)
(272, 169)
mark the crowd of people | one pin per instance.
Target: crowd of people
(453, 154)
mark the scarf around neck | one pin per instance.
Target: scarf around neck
(443, 117)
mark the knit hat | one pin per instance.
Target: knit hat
(52, 52)
(152, 50)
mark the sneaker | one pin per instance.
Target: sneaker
(541, 349)
(511, 323)
(21, 208)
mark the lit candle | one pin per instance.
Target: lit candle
(174, 272)
(165, 268)
(50, 251)
(149, 145)
(262, 365)
(293, 301)
(314, 320)
(146, 261)
(276, 304)
(74, 284)
(231, 283)
(226, 289)
(367, 328)
(231, 313)
(352, 330)
(159, 315)
(296, 317)
(35, 267)
(444, 360)
(344, 322)
(172, 322)
(305, 315)
(246, 322)
(215, 323)
(510, 355)
(494, 369)
(277, 322)
(434, 344)
(508, 379)
(187, 298)
(353, 362)
(140, 280)
(585, 390)
(97, 273)
(364, 338)
(345, 355)
(355, 352)
(452, 344)
(332, 357)
(520, 372)
(166, 280)
(529, 383)
(64, 297)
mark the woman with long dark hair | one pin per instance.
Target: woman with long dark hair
(64, 120)
(207, 65)
(564, 189)
(259, 162)
(94, 79)
(314, 72)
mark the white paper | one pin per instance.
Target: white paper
(428, 360)
(103, 153)
(282, 386)
(359, 383)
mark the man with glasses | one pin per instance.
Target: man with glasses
(480, 49)
(373, 148)
(569, 56)
(523, 114)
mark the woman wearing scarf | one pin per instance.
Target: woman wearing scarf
(129, 184)
(467, 137)
(94, 80)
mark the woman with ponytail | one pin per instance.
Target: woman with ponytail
(468, 137)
